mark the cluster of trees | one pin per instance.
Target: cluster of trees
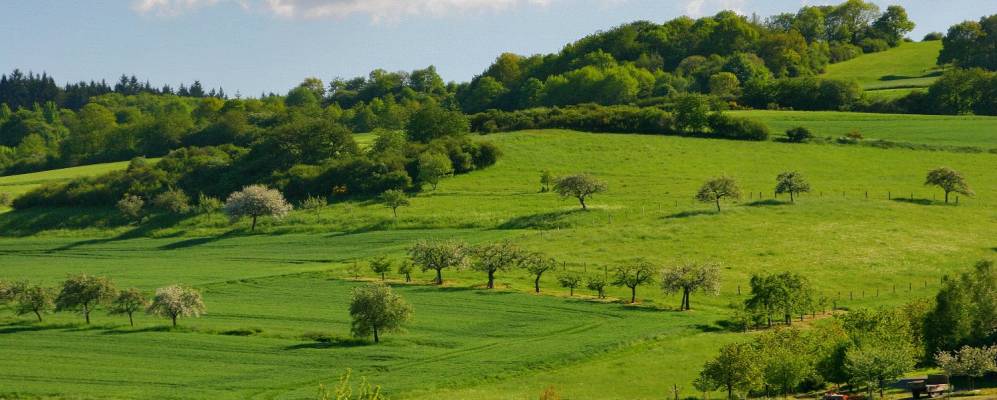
(298, 149)
(493, 258)
(85, 293)
(720, 54)
(687, 115)
(862, 348)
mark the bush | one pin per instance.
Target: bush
(844, 52)
(207, 204)
(870, 45)
(172, 200)
(313, 203)
(933, 36)
(131, 207)
(5, 199)
(799, 135)
(737, 128)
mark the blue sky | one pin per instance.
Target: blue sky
(271, 45)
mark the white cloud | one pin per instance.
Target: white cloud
(377, 10)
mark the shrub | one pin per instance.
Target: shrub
(737, 128)
(207, 204)
(870, 45)
(131, 207)
(5, 199)
(799, 135)
(933, 36)
(844, 52)
(313, 203)
(173, 200)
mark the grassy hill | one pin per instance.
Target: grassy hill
(289, 281)
(893, 72)
(17, 184)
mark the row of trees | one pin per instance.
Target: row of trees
(85, 293)
(862, 348)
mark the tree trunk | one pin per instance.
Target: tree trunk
(730, 392)
(408, 277)
(685, 300)
(581, 199)
(718, 204)
(174, 317)
(86, 313)
(253, 228)
(571, 291)
(382, 277)
(439, 277)
(394, 210)
(130, 320)
(536, 284)
(633, 294)
(791, 198)
(946, 197)
(39, 315)
(491, 279)
(377, 339)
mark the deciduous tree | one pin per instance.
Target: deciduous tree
(129, 302)
(950, 180)
(570, 280)
(84, 292)
(376, 309)
(394, 199)
(493, 257)
(176, 301)
(580, 186)
(380, 265)
(438, 255)
(718, 188)
(733, 370)
(691, 277)
(34, 299)
(255, 201)
(537, 264)
(791, 182)
(632, 275)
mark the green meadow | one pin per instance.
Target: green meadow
(868, 234)
(907, 67)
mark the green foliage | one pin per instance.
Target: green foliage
(633, 274)
(536, 264)
(967, 44)
(799, 135)
(933, 36)
(688, 278)
(173, 201)
(950, 180)
(33, 299)
(786, 293)
(433, 167)
(965, 311)
(394, 199)
(84, 293)
(733, 370)
(494, 257)
(131, 207)
(380, 266)
(406, 268)
(718, 188)
(580, 186)
(128, 302)
(570, 280)
(973, 362)
(438, 255)
(376, 309)
(313, 204)
(434, 122)
(791, 182)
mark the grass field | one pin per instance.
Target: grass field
(17, 184)
(944, 130)
(908, 66)
(290, 278)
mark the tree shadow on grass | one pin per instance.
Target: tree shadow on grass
(709, 328)
(920, 202)
(186, 243)
(689, 214)
(548, 220)
(331, 343)
(768, 203)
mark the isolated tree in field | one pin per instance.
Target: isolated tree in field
(376, 309)
(131, 207)
(493, 257)
(971, 362)
(176, 301)
(406, 268)
(579, 186)
(394, 199)
(255, 201)
(128, 303)
(690, 277)
(632, 275)
(83, 293)
(718, 188)
(433, 167)
(570, 280)
(791, 182)
(34, 299)
(536, 264)
(546, 180)
(380, 265)
(438, 255)
(597, 284)
(733, 370)
(950, 180)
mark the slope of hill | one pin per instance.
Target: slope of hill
(287, 284)
(17, 184)
(909, 66)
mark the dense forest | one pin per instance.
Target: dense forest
(671, 78)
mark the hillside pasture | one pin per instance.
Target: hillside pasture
(270, 292)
